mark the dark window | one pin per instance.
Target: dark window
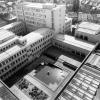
(3, 63)
(78, 53)
(0, 65)
(86, 38)
(73, 51)
(81, 37)
(82, 54)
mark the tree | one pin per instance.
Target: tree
(76, 6)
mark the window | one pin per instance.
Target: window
(81, 36)
(20, 52)
(0, 65)
(82, 54)
(15, 56)
(7, 61)
(73, 51)
(10, 59)
(18, 59)
(3, 63)
(86, 38)
(2, 70)
(6, 68)
(3, 49)
(78, 53)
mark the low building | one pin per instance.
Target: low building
(88, 31)
(70, 44)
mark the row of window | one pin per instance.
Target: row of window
(13, 70)
(7, 46)
(33, 9)
(39, 47)
(36, 23)
(41, 40)
(41, 50)
(13, 63)
(12, 58)
(35, 16)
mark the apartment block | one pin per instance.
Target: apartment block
(41, 15)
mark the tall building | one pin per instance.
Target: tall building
(37, 15)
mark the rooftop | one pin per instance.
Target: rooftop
(40, 5)
(91, 26)
(5, 35)
(87, 31)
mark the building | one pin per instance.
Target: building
(88, 31)
(70, 44)
(16, 52)
(37, 15)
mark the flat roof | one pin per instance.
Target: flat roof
(94, 59)
(39, 5)
(87, 31)
(9, 41)
(91, 26)
(4, 34)
(32, 37)
(36, 35)
(70, 60)
(72, 41)
(42, 31)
